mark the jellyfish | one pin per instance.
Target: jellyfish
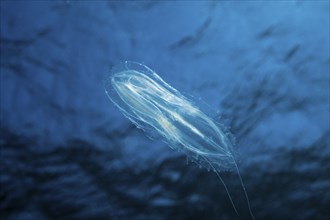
(160, 110)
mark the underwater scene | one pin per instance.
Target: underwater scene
(164, 110)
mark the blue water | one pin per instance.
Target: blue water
(259, 68)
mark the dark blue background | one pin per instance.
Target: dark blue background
(68, 153)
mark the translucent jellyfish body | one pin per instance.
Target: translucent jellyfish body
(160, 110)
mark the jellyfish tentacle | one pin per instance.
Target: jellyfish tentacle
(227, 191)
(246, 195)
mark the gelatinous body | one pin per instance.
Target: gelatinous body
(159, 109)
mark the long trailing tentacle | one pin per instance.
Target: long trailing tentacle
(241, 180)
(246, 195)
(229, 196)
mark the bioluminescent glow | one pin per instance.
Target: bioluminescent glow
(159, 109)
